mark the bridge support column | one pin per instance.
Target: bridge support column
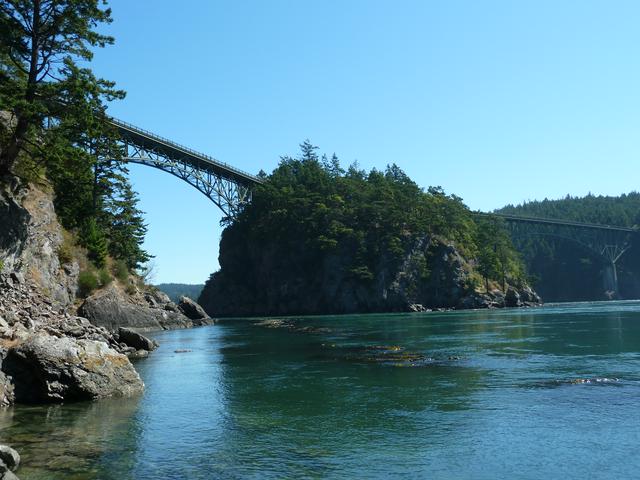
(612, 253)
(610, 281)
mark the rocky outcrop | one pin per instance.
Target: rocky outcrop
(136, 340)
(49, 354)
(9, 462)
(432, 274)
(194, 312)
(113, 308)
(30, 239)
(46, 368)
(523, 297)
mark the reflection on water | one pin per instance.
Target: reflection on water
(72, 441)
(514, 393)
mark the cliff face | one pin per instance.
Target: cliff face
(30, 239)
(269, 281)
(47, 354)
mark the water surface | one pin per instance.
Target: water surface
(530, 393)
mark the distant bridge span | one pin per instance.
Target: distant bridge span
(608, 242)
(569, 223)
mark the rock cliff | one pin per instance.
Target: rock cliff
(30, 239)
(432, 274)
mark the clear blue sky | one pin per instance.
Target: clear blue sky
(496, 101)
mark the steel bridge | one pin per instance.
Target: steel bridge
(231, 189)
(607, 242)
(226, 186)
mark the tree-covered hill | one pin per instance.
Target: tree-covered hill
(623, 210)
(560, 270)
(54, 132)
(318, 239)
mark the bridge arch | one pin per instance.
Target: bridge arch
(608, 243)
(229, 188)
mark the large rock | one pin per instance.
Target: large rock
(512, 298)
(46, 368)
(191, 309)
(9, 457)
(112, 308)
(136, 340)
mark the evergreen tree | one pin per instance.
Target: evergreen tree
(40, 43)
(127, 229)
(94, 239)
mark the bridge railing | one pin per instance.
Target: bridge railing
(557, 221)
(170, 143)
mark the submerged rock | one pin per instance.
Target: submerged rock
(580, 381)
(291, 326)
(46, 368)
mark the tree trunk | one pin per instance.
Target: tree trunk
(15, 144)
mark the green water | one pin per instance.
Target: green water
(537, 393)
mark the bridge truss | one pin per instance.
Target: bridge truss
(606, 242)
(226, 186)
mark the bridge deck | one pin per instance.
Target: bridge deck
(554, 221)
(174, 151)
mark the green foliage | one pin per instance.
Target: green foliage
(87, 283)
(40, 46)
(104, 277)
(1, 265)
(564, 269)
(496, 257)
(93, 238)
(310, 212)
(120, 270)
(59, 127)
(126, 228)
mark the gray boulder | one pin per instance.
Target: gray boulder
(9, 475)
(54, 369)
(9, 457)
(111, 308)
(529, 297)
(136, 340)
(191, 309)
(512, 298)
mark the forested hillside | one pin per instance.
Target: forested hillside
(317, 238)
(53, 133)
(560, 269)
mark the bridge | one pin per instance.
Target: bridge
(230, 189)
(226, 186)
(607, 242)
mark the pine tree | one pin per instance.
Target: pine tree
(40, 43)
(94, 239)
(127, 229)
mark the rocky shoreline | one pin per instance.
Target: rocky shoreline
(49, 354)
